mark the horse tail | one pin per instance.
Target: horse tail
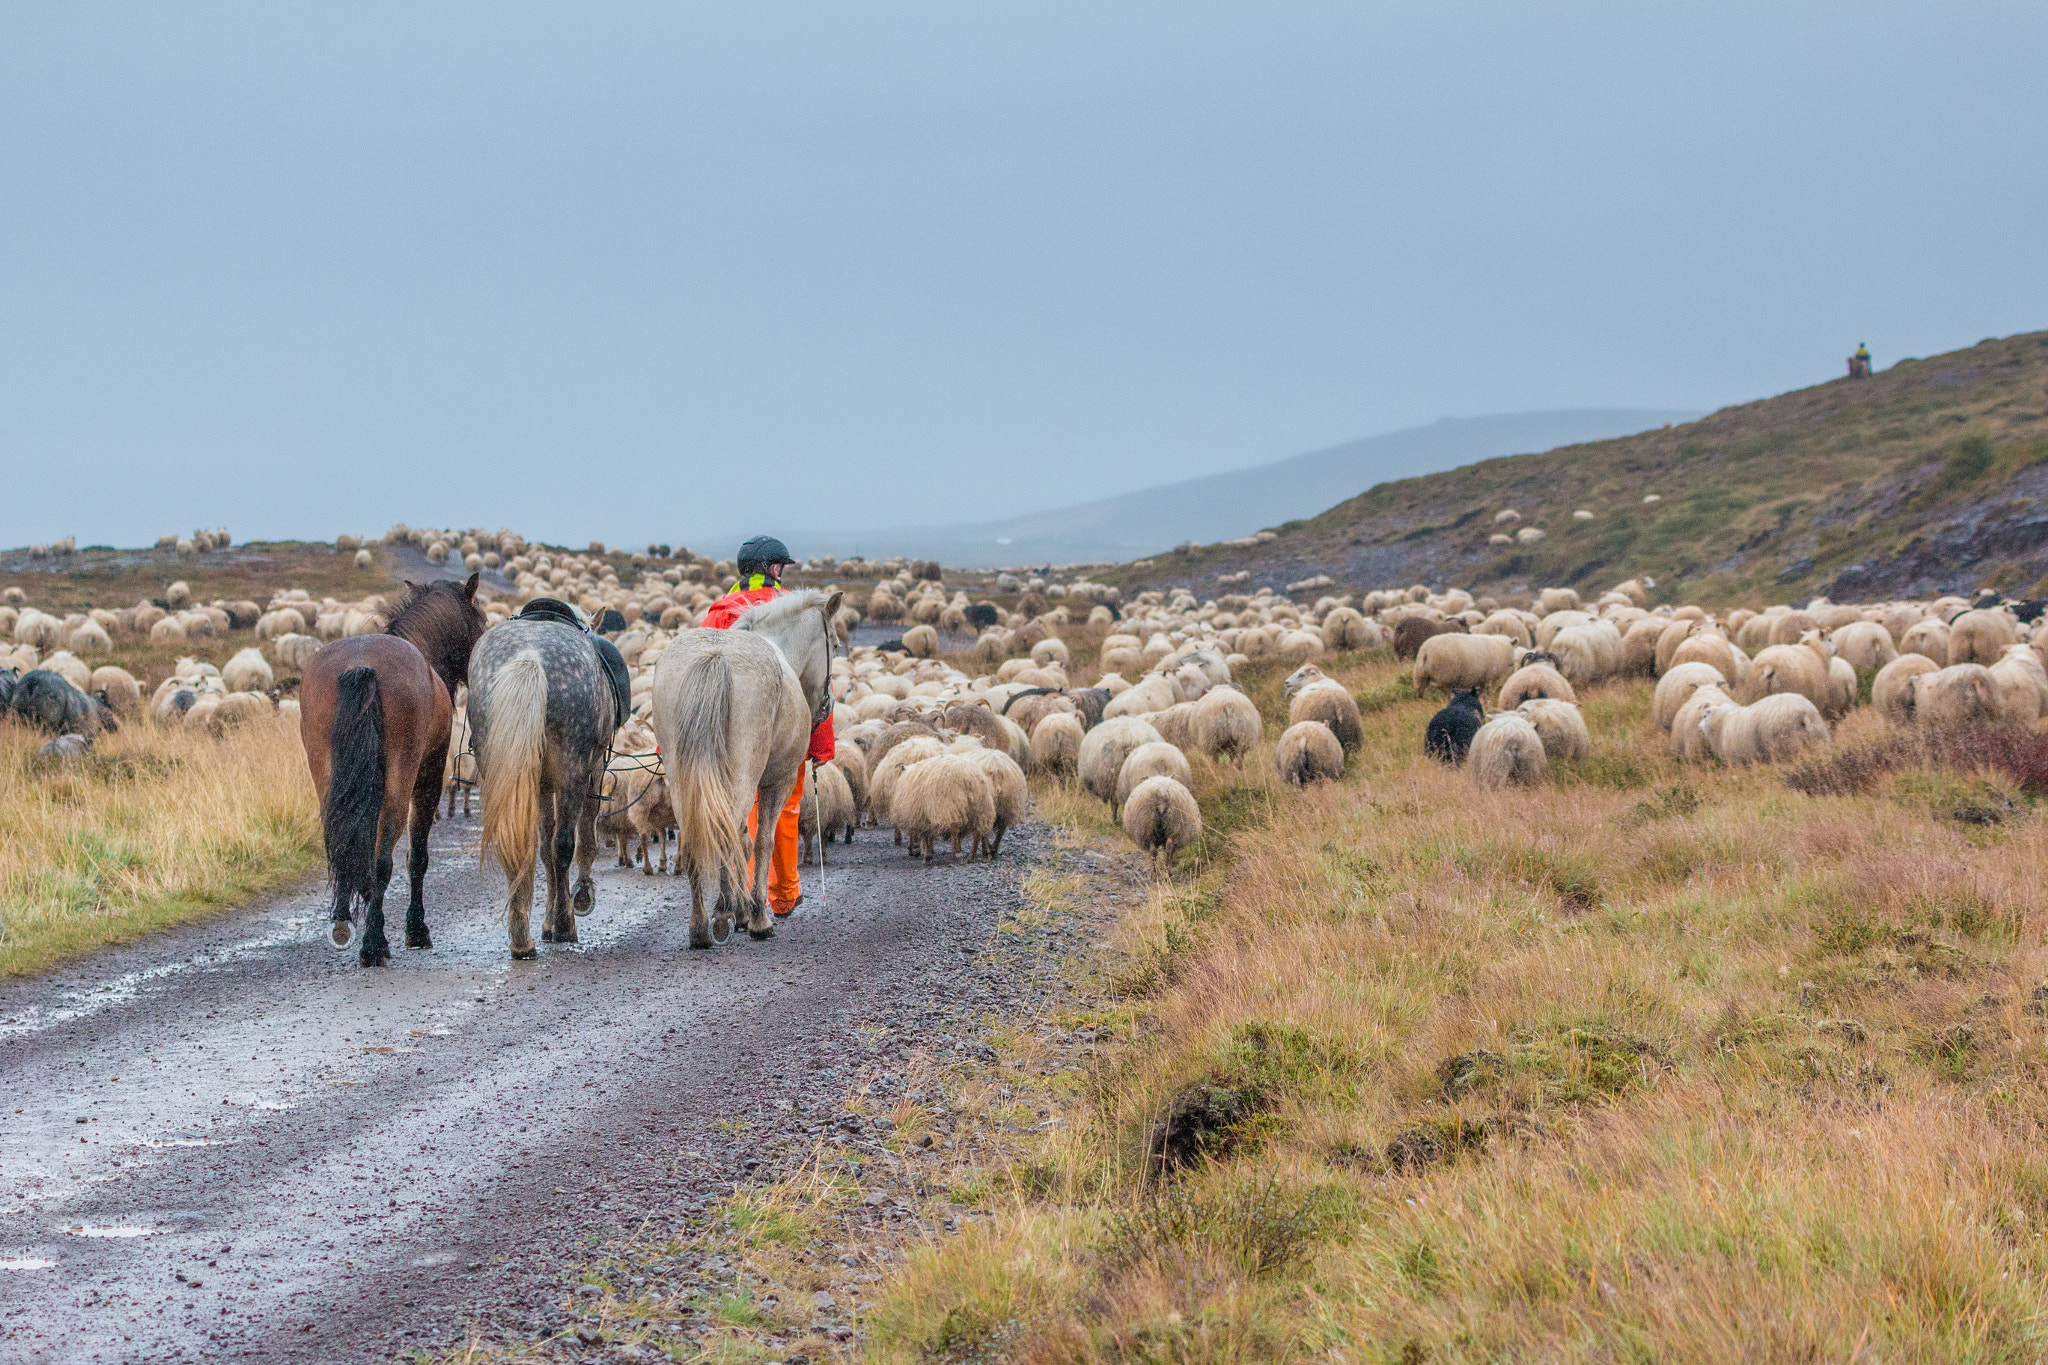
(355, 791)
(709, 830)
(509, 764)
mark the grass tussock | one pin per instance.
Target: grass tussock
(1649, 1063)
(152, 828)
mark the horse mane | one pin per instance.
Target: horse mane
(441, 621)
(777, 612)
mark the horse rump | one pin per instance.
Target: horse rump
(355, 795)
(710, 833)
(515, 712)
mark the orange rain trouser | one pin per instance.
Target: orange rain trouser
(783, 886)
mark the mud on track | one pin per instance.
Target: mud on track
(333, 1164)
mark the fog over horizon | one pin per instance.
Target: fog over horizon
(681, 272)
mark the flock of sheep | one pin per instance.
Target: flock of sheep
(938, 747)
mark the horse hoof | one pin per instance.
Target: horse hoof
(526, 954)
(418, 941)
(380, 957)
(586, 897)
(547, 936)
(342, 933)
(758, 934)
(721, 929)
(699, 940)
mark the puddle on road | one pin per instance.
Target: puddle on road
(25, 1263)
(181, 1142)
(107, 1230)
(123, 989)
(250, 1099)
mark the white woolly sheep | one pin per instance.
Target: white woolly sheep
(1176, 724)
(119, 688)
(830, 806)
(1056, 743)
(852, 761)
(1560, 726)
(1714, 649)
(944, 796)
(1980, 637)
(1226, 722)
(1154, 693)
(1688, 742)
(1865, 645)
(1676, 687)
(2021, 685)
(921, 642)
(1456, 661)
(1104, 749)
(889, 770)
(1891, 692)
(1773, 729)
(1345, 629)
(1534, 680)
(1161, 817)
(295, 651)
(248, 671)
(1508, 751)
(1012, 794)
(1329, 703)
(89, 638)
(1308, 752)
(1779, 669)
(1159, 759)
(1928, 637)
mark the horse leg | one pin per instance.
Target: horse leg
(547, 852)
(426, 802)
(562, 854)
(583, 848)
(760, 924)
(700, 924)
(376, 951)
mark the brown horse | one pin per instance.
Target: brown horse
(374, 713)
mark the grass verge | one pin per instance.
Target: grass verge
(151, 829)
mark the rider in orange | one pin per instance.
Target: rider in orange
(761, 562)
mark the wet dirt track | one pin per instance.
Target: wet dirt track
(231, 1141)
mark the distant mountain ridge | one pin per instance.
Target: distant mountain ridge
(1237, 502)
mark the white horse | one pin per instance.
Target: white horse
(733, 712)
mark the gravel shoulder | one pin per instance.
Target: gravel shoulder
(229, 1141)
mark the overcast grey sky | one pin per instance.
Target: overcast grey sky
(308, 268)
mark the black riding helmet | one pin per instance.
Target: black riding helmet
(761, 554)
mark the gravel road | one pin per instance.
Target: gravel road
(231, 1141)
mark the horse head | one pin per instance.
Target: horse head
(799, 624)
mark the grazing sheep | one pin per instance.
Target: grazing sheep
(889, 770)
(1551, 600)
(1299, 647)
(168, 631)
(947, 795)
(118, 689)
(1330, 703)
(1688, 742)
(829, 804)
(1508, 625)
(1176, 724)
(71, 668)
(1455, 662)
(1715, 650)
(1892, 691)
(1161, 817)
(853, 763)
(248, 671)
(1226, 722)
(1154, 693)
(89, 638)
(1587, 653)
(1865, 645)
(1345, 629)
(1051, 650)
(1012, 794)
(1639, 650)
(1104, 749)
(1842, 685)
(2021, 685)
(1056, 744)
(1412, 631)
(1676, 688)
(1560, 726)
(1159, 759)
(295, 651)
(1928, 637)
(1535, 678)
(178, 596)
(1772, 729)
(1448, 737)
(1308, 752)
(1507, 751)
(50, 702)
(922, 642)
(1980, 637)
(1780, 669)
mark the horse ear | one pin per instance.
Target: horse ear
(832, 605)
(412, 585)
(469, 588)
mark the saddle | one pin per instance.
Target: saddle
(562, 614)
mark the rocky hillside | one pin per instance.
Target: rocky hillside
(1931, 476)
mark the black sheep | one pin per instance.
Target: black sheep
(45, 699)
(1449, 737)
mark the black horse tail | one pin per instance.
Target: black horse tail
(355, 795)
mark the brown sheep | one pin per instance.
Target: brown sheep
(1413, 630)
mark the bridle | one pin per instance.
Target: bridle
(824, 706)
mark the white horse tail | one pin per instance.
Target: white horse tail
(710, 832)
(509, 764)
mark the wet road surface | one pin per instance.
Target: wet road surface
(230, 1141)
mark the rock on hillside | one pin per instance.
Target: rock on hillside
(1929, 477)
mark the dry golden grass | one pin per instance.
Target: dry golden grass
(153, 828)
(1650, 1063)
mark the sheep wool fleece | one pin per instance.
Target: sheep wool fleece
(784, 885)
